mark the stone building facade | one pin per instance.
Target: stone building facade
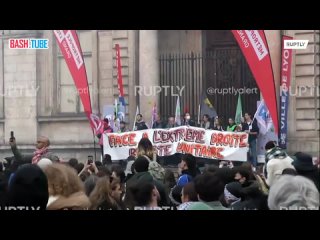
(38, 96)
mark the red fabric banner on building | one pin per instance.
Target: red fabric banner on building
(71, 50)
(120, 83)
(253, 44)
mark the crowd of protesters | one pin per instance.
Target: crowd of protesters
(43, 181)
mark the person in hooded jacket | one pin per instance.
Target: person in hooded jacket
(304, 166)
(28, 188)
(252, 196)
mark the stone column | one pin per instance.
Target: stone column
(20, 81)
(148, 72)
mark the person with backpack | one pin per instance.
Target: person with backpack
(146, 150)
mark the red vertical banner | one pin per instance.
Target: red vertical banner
(119, 76)
(286, 61)
(69, 44)
(253, 44)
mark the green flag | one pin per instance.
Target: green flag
(238, 116)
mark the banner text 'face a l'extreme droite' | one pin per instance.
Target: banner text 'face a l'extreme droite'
(197, 141)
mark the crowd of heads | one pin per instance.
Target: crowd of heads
(140, 182)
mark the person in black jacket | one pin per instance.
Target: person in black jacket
(304, 166)
(187, 121)
(252, 197)
(251, 127)
(158, 122)
(140, 124)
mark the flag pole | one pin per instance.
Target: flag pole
(254, 117)
(199, 115)
(94, 146)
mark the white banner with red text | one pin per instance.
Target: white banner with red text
(197, 141)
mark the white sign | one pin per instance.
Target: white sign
(257, 43)
(295, 44)
(197, 141)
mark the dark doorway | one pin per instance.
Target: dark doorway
(220, 65)
(226, 74)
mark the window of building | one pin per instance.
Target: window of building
(68, 97)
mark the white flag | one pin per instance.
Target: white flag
(263, 118)
(178, 112)
(135, 118)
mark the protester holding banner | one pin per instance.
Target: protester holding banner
(104, 129)
(231, 126)
(218, 124)
(171, 123)
(205, 122)
(123, 127)
(187, 121)
(251, 127)
(140, 124)
(158, 122)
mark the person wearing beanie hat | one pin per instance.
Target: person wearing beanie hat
(304, 166)
(28, 188)
(277, 160)
(232, 193)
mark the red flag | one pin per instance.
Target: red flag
(70, 47)
(120, 83)
(253, 44)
